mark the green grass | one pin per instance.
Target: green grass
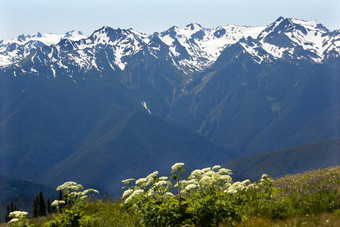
(331, 219)
(111, 213)
(306, 199)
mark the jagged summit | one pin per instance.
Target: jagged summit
(72, 34)
(194, 26)
(191, 48)
(294, 39)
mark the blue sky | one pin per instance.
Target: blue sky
(59, 16)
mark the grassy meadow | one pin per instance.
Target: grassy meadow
(208, 197)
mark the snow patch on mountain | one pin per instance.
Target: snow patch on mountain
(196, 48)
(15, 50)
(146, 106)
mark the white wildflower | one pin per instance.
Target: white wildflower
(90, 190)
(250, 186)
(151, 192)
(57, 203)
(168, 194)
(226, 178)
(75, 194)
(186, 182)
(163, 178)
(128, 199)
(265, 177)
(206, 169)
(136, 192)
(216, 167)
(70, 185)
(206, 180)
(209, 173)
(192, 181)
(152, 175)
(246, 182)
(127, 193)
(225, 171)
(190, 186)
(18, 214)
(241, 187)
(236, 186)
(127, 181)
(197, 173)
(231, 190)
(83, 197)
(177, 166)
(215, 177)
(141, 181)
(161, 183)
(14, 220)
(149, 181)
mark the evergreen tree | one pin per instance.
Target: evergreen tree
(12, 207)
(49, 207)
(42, 204)
(35, 208)
(38, 205)
(7, 214)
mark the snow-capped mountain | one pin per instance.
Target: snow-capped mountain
(116, 45)
(190, 49)
(194, 48)
(294, 39)
(15, 50)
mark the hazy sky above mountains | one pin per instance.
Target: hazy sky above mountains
(59, 16)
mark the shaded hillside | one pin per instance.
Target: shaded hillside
(91, 132)
(255, 107)
(287, 161)
(22, 193)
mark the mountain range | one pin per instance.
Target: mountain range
(120, 103)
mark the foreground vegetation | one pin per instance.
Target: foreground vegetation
(208, 197)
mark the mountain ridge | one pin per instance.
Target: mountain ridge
(200, 46)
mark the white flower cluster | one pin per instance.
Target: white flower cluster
(201, 178)
(89, 190)
(265, 178)
(127, 181)
(177, 166)
(17, 215)
(215, 178)
(135, 193)
(147, 186)
(57, 203)
(239, 186)
(73, 192)
(71, 186)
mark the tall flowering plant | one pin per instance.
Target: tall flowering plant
(71, 212)
(207, 197)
